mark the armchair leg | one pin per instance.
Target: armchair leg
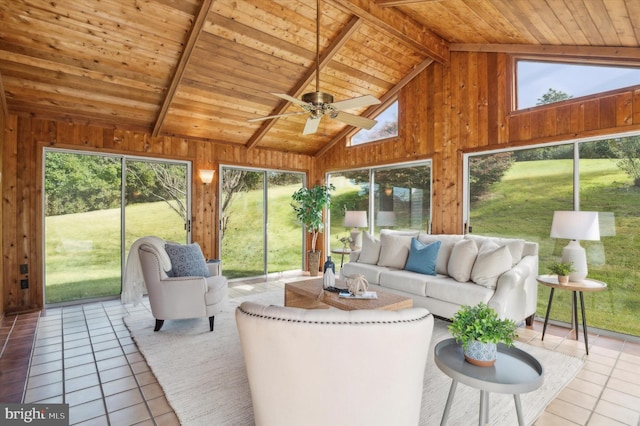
(211, 323)
(159, 324)
(529, 320)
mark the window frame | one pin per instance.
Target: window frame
(595, 61)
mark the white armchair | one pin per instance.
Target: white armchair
(333, 367)
(181, 297)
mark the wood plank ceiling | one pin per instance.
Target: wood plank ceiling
(200, 69)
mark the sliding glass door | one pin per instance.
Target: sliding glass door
(259, 233)
(95, 206)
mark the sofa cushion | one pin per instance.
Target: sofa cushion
(448, 290)
(370, 272)
(422, 257)
(516, 246)
(186, 260)
(370, 249)
(394, 250)
(406, 281)
(447, 241)
(493, 260)
(462, 258)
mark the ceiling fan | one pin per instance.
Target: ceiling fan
(317, 104)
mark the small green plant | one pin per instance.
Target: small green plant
(561, 268)
(481, 323)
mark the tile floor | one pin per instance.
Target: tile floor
(83, 355)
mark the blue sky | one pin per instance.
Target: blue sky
(536, 78)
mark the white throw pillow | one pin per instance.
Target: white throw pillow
(370, 249)
(394, 250)
(493, 260)
(447, 242)
(461, 261)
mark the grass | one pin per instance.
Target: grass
(521, 206)
(82, 250)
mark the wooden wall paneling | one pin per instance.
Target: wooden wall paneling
(624, 109)
(636, 106)
(591, 114)
(482, 92)
(608, 109)
(4, 130)
(12, 293)
(563, 119)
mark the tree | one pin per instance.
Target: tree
(552, 96)
(149, 182)
(627, 149)
(484, 170)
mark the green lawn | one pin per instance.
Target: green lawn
(82, 250)
(521, 205)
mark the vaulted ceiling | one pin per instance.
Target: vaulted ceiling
(199, 69)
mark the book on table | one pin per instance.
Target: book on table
(365, 295)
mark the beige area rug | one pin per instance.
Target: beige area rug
(204, 378)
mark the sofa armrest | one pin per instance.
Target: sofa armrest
(354, 255)
(510, 297)
(214, 268)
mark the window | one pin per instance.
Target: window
(514, 194)
(542, 82)
(387, 127)
(394, 197)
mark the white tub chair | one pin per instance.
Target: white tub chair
(181, 297)
(333, 367)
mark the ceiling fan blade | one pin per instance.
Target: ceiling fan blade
(360, 101)
(355, 120)
(290, 99)
(251, 120)
(311, 126)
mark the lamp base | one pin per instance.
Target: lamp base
(575, 253)
(356, 239)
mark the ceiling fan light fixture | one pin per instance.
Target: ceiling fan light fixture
(317, 98)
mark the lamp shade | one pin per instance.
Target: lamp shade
(575, 225)
(355, 219)
(206, 176)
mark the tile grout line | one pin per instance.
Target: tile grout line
(144, 398)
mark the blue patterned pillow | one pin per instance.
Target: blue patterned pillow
(422, 258)
(186, 260)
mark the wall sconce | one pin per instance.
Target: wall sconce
(206, 176)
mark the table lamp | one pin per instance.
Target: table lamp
(355, 219)
(576, 226)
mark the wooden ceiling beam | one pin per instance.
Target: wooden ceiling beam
(192, 38)
(388, 3)
(385, 101)
(351, 27)
(622, 54)
(400, 26)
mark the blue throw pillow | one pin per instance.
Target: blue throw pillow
(186, 260)
(422, 258)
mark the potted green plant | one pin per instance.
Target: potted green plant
(308, 204)
(478, 329)
(562, 270)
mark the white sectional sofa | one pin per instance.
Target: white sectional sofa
(444, 272)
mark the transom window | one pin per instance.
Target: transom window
(544, 82)
(387, 127)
